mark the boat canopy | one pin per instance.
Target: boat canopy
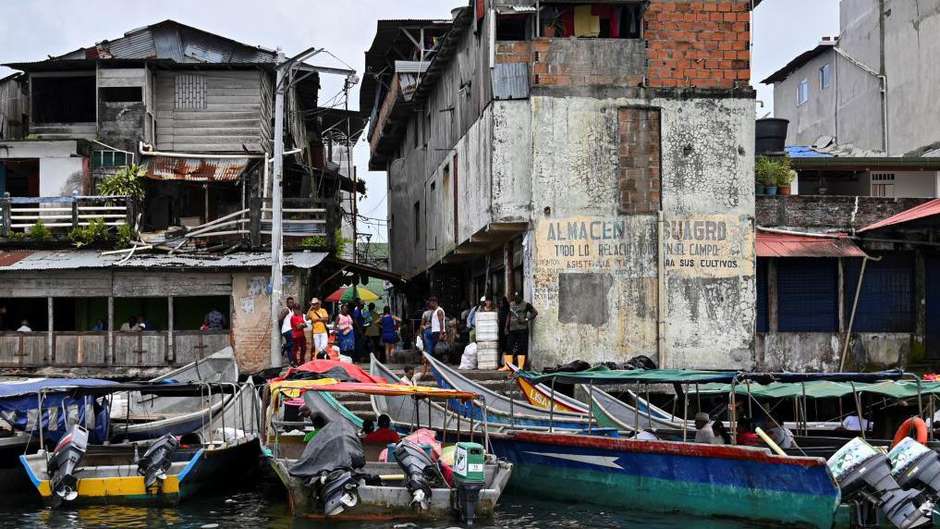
(31, 386)
(604, 376)
(822, 389)
(294, 388)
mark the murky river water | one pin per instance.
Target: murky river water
(263, 508)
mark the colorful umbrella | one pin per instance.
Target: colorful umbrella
(346, 294)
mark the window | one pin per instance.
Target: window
(886, 302)
(807, 295)
(802, 92)
(63, 99)
(190, 92)
(593, 20)
(511, 27)
(122, 94)
(417, 221)
(825, 76)
(110, 159)
(882, 184)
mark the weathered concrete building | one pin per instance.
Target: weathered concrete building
(194, 111)
(873, 86)
(596, 157)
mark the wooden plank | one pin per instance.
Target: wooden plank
(162, 284)
(144, 348)
(193, 345)
(62, 283)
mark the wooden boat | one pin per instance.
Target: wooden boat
(501, 410)
(659, 476)
(388, 498)
(138, 417)
(229, 452)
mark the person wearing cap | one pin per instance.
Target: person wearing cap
(705, 430)
(318, 317)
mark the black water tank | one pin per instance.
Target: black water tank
(771, 135)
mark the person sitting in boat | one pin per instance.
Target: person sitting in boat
(411, 378)
(852, 423)
(746, 435)
(368, 426)
(779, 433)
(383, 434)
(706, 431)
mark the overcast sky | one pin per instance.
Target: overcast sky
(32, 29)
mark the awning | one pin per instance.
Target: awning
(927, 209)
(777, 244)
(194, 169)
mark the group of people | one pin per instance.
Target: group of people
(708, 431)
(358, 329)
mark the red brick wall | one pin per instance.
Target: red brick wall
(703, 44)
(509, 51)
(640, 170)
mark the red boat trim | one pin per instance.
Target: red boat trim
(662, 447)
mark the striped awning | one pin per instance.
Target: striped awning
(195, 169)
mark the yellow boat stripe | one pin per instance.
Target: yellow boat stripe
(115, 486)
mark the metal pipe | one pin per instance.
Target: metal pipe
(858, 409)
(148, 151)
(661, 291)
(277, 278)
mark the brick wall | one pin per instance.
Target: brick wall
(509, 51)
(703, 44)
(640, 170)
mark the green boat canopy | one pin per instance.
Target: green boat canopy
(822, 389)
(604, 375)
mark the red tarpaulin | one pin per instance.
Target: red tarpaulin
(341, 371)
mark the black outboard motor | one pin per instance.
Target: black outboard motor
(329, 467)
(862, 471)
(915, 466)
(157, 460)
(65, 458)
(419, 469)
(338, 490)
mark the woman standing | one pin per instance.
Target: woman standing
(347, 338)
(389, 325)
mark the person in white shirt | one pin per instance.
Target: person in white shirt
(853, 424)
(705, 430)
(24, 327)
(436, 323)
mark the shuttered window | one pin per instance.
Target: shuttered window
(886, 302)
(807, 295)
(190, 92)
(762, 296)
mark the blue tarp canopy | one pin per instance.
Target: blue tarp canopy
(62, 405)
(28, 386)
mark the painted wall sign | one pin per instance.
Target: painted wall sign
(709, 246)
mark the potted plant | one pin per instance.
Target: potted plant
(553, 26)
(784, 179)
(764, 181)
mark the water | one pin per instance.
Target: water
(265, 508)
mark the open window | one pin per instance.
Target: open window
(597, 20)
(68, 99)
(130, 313)
(19, 177)
(80, 314)
(26, 313)
(122, 94)
(512, 27)
(190, 313)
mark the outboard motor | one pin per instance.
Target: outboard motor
(469, 478)
(157, 460)
(915, 466)
(419, 469)
(65, 458)
(338, 490)
(862, 471)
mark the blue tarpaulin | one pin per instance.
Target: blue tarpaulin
(62, 405)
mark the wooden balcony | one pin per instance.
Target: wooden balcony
(18, 215)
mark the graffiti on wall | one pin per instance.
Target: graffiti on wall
(590, 244)
(709, 246)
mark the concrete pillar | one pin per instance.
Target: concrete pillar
(49, 357)
(508, 280)
(110, 353)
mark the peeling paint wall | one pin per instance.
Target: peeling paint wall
(807, 351)
(251, 317)
(707, 177)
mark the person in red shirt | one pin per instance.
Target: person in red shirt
(297, 324)
(383, 434)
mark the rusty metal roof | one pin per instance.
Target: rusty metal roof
(90, 259)
(779, 244)
(927, 209)
(195, 169)
(8, 258)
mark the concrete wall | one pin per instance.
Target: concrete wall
(61, 168)
(828, 212)
(584, 252)
(804, 351)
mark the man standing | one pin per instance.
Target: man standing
(517, 329)
(358, 327)
(436, 324)
(299, 348)
(215, 321)
(318, 317)
(284, 317)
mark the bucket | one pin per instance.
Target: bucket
(770, 135)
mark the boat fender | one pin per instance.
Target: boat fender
(917, 425)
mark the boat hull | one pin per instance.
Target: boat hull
(387, 503)
(665, 477)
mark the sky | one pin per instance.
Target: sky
(32, 29)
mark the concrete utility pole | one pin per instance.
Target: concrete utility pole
(284, 79)
(277, 278)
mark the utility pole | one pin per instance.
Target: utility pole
(277, 278)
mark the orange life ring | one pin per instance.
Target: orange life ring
(914, 423)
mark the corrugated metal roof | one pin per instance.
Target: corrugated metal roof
(194, 169)
(135, 45)
(927, 209)
(799, 61)
(777, 244)
(90, 259)
(8, 258)
(511, 80)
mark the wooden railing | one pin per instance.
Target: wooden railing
(103, 349)
(61, 214)
(301, 218)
